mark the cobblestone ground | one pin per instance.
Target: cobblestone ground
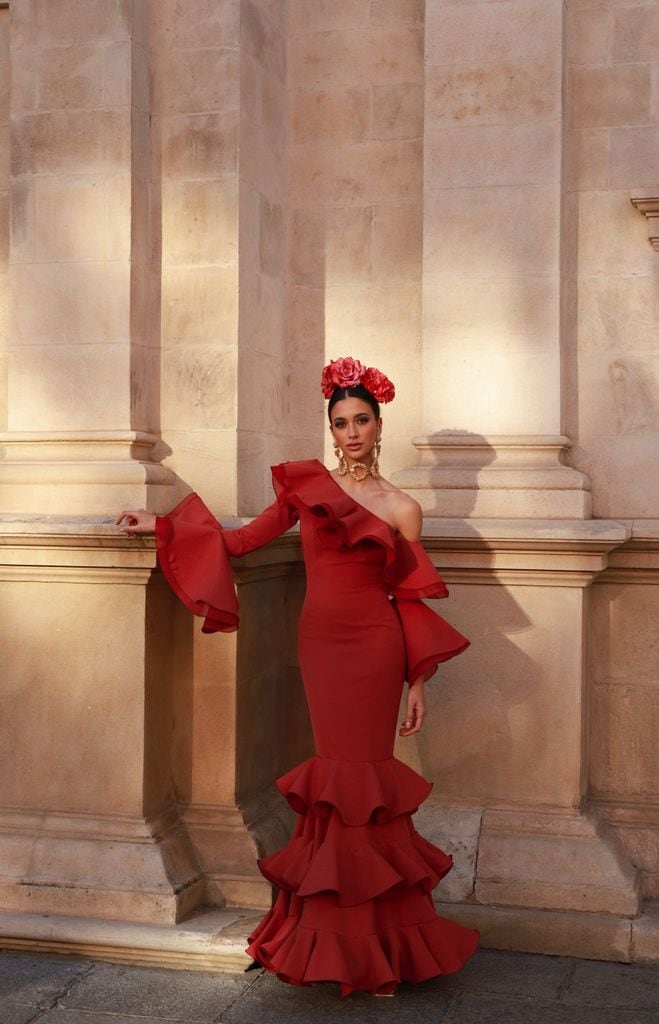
(506, 988)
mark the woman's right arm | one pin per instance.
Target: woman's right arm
(194, 549)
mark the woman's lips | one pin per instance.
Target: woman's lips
(353, 446)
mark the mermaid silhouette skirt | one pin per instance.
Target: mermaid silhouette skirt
(355, 881)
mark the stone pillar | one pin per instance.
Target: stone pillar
(88, 824)
(493, 264)
(83, 361)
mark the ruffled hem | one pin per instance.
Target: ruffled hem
(374, 962)
(361, 791)
(357, 865)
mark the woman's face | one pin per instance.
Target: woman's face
(355, 428)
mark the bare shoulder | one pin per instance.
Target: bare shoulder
(406, 512)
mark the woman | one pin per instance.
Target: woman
(355, 881)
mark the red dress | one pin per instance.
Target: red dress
(355, 881)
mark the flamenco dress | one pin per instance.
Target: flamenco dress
(355, 880)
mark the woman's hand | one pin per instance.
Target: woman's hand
(416, 709)
(136, 521)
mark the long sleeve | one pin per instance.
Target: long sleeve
(193, 552)
(428, 638)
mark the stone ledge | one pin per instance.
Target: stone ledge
(215, 939)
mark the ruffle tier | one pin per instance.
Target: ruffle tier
(356, 864)
(360, 791)
(355, 883)
(373, 958)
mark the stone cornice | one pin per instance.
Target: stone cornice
(649, 205)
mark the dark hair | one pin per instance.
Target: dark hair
(358, 391)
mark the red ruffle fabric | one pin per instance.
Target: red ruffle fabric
(355, 881)
(342, 523)
(194, 558)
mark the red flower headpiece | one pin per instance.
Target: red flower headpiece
(348, 372)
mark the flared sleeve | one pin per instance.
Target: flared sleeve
(193, 553)
(428, 638)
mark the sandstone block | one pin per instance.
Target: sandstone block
(265, 377)
(330, 246)
(612, 234)
(492, 155)
(378, 315)
(589, 35)
(616, 95)
(119, 86)
(69, 387)
(187, 24)
(198, 387)
(394, 12)
(455, 310)
(339, 113)
(263, 39)
(21, 221)
(508, 92)
(470, 231)
(96, 19)
(618, 314)
(262, 314)
(587, 158)
(85, 303)
(262, 160)
(624, 718)
(323, 15)
(200, 222)
(358, 175)
(398, 111)
(41, 142)
(636, 34)
(199, 305)
(397, 241)
(70, 222)
(499, 31)
(71, 76)
(351, 58)
(634, 157)
(198, 81)
(272, 238)
(456, 831)
(498, 397)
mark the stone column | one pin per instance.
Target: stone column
(493, 265)
(83, 362)
(88, 824)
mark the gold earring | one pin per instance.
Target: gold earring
(375, 466)
(343, 462)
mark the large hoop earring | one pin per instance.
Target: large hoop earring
(343, 462)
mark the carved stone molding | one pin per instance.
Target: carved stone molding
(649, 205)
(496, 476)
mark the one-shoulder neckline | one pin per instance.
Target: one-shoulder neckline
(394, 532)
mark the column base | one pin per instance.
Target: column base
(129, 869)
(228, 840)
(83, 472)
(469, 475)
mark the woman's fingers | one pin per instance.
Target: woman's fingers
(414, 719)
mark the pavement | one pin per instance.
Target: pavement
(494, 988)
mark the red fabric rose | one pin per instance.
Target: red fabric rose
(378, 384)
(341, 373)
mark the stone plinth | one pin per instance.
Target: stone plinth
(495, 476)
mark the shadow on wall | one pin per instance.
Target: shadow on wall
(479, 701)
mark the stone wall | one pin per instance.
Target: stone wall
(209, 200)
